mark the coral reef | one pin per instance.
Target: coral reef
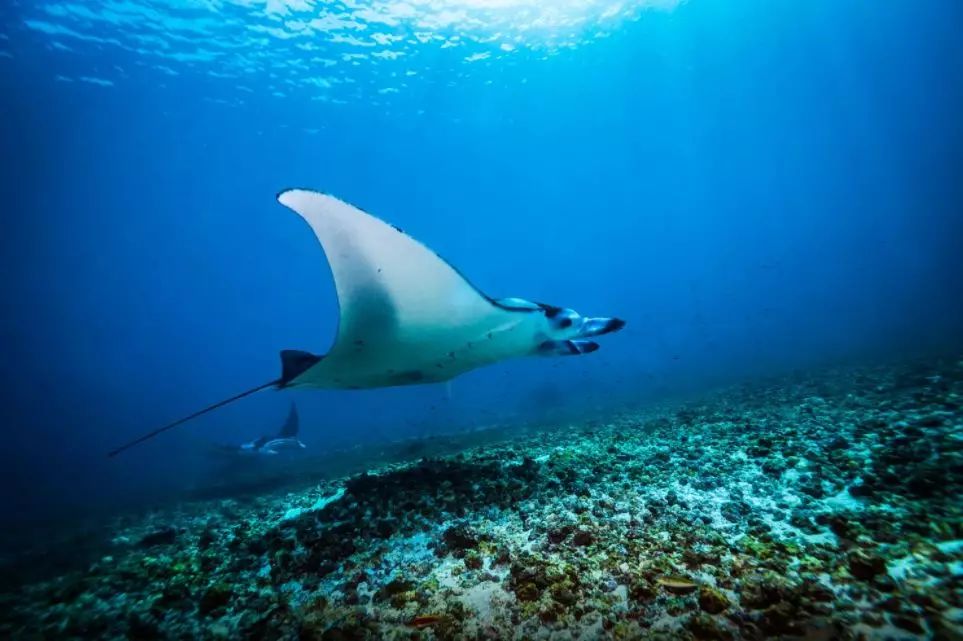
(822, 505)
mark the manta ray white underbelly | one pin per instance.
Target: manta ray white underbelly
(406, 316)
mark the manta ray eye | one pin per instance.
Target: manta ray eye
(565, 323)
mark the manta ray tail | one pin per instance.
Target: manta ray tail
(293, 363)
(209, 408)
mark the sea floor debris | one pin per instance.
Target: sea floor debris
(823, 505)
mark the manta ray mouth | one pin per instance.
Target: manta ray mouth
(599, 326)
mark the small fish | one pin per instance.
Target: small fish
(677, 584)
(425, 620)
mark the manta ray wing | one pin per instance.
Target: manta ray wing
(406, 315)
(291, 424)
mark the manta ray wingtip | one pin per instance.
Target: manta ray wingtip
(284, 192)
(294, 190)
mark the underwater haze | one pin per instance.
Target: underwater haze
(759, 189)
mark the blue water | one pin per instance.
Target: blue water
(754, 186)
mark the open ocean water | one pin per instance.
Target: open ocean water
(768, 194)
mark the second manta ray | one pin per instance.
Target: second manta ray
(285, 440)
(408, 317)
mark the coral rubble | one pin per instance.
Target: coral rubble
(824, 505)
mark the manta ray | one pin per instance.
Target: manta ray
(406, 316)
(284, 440)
